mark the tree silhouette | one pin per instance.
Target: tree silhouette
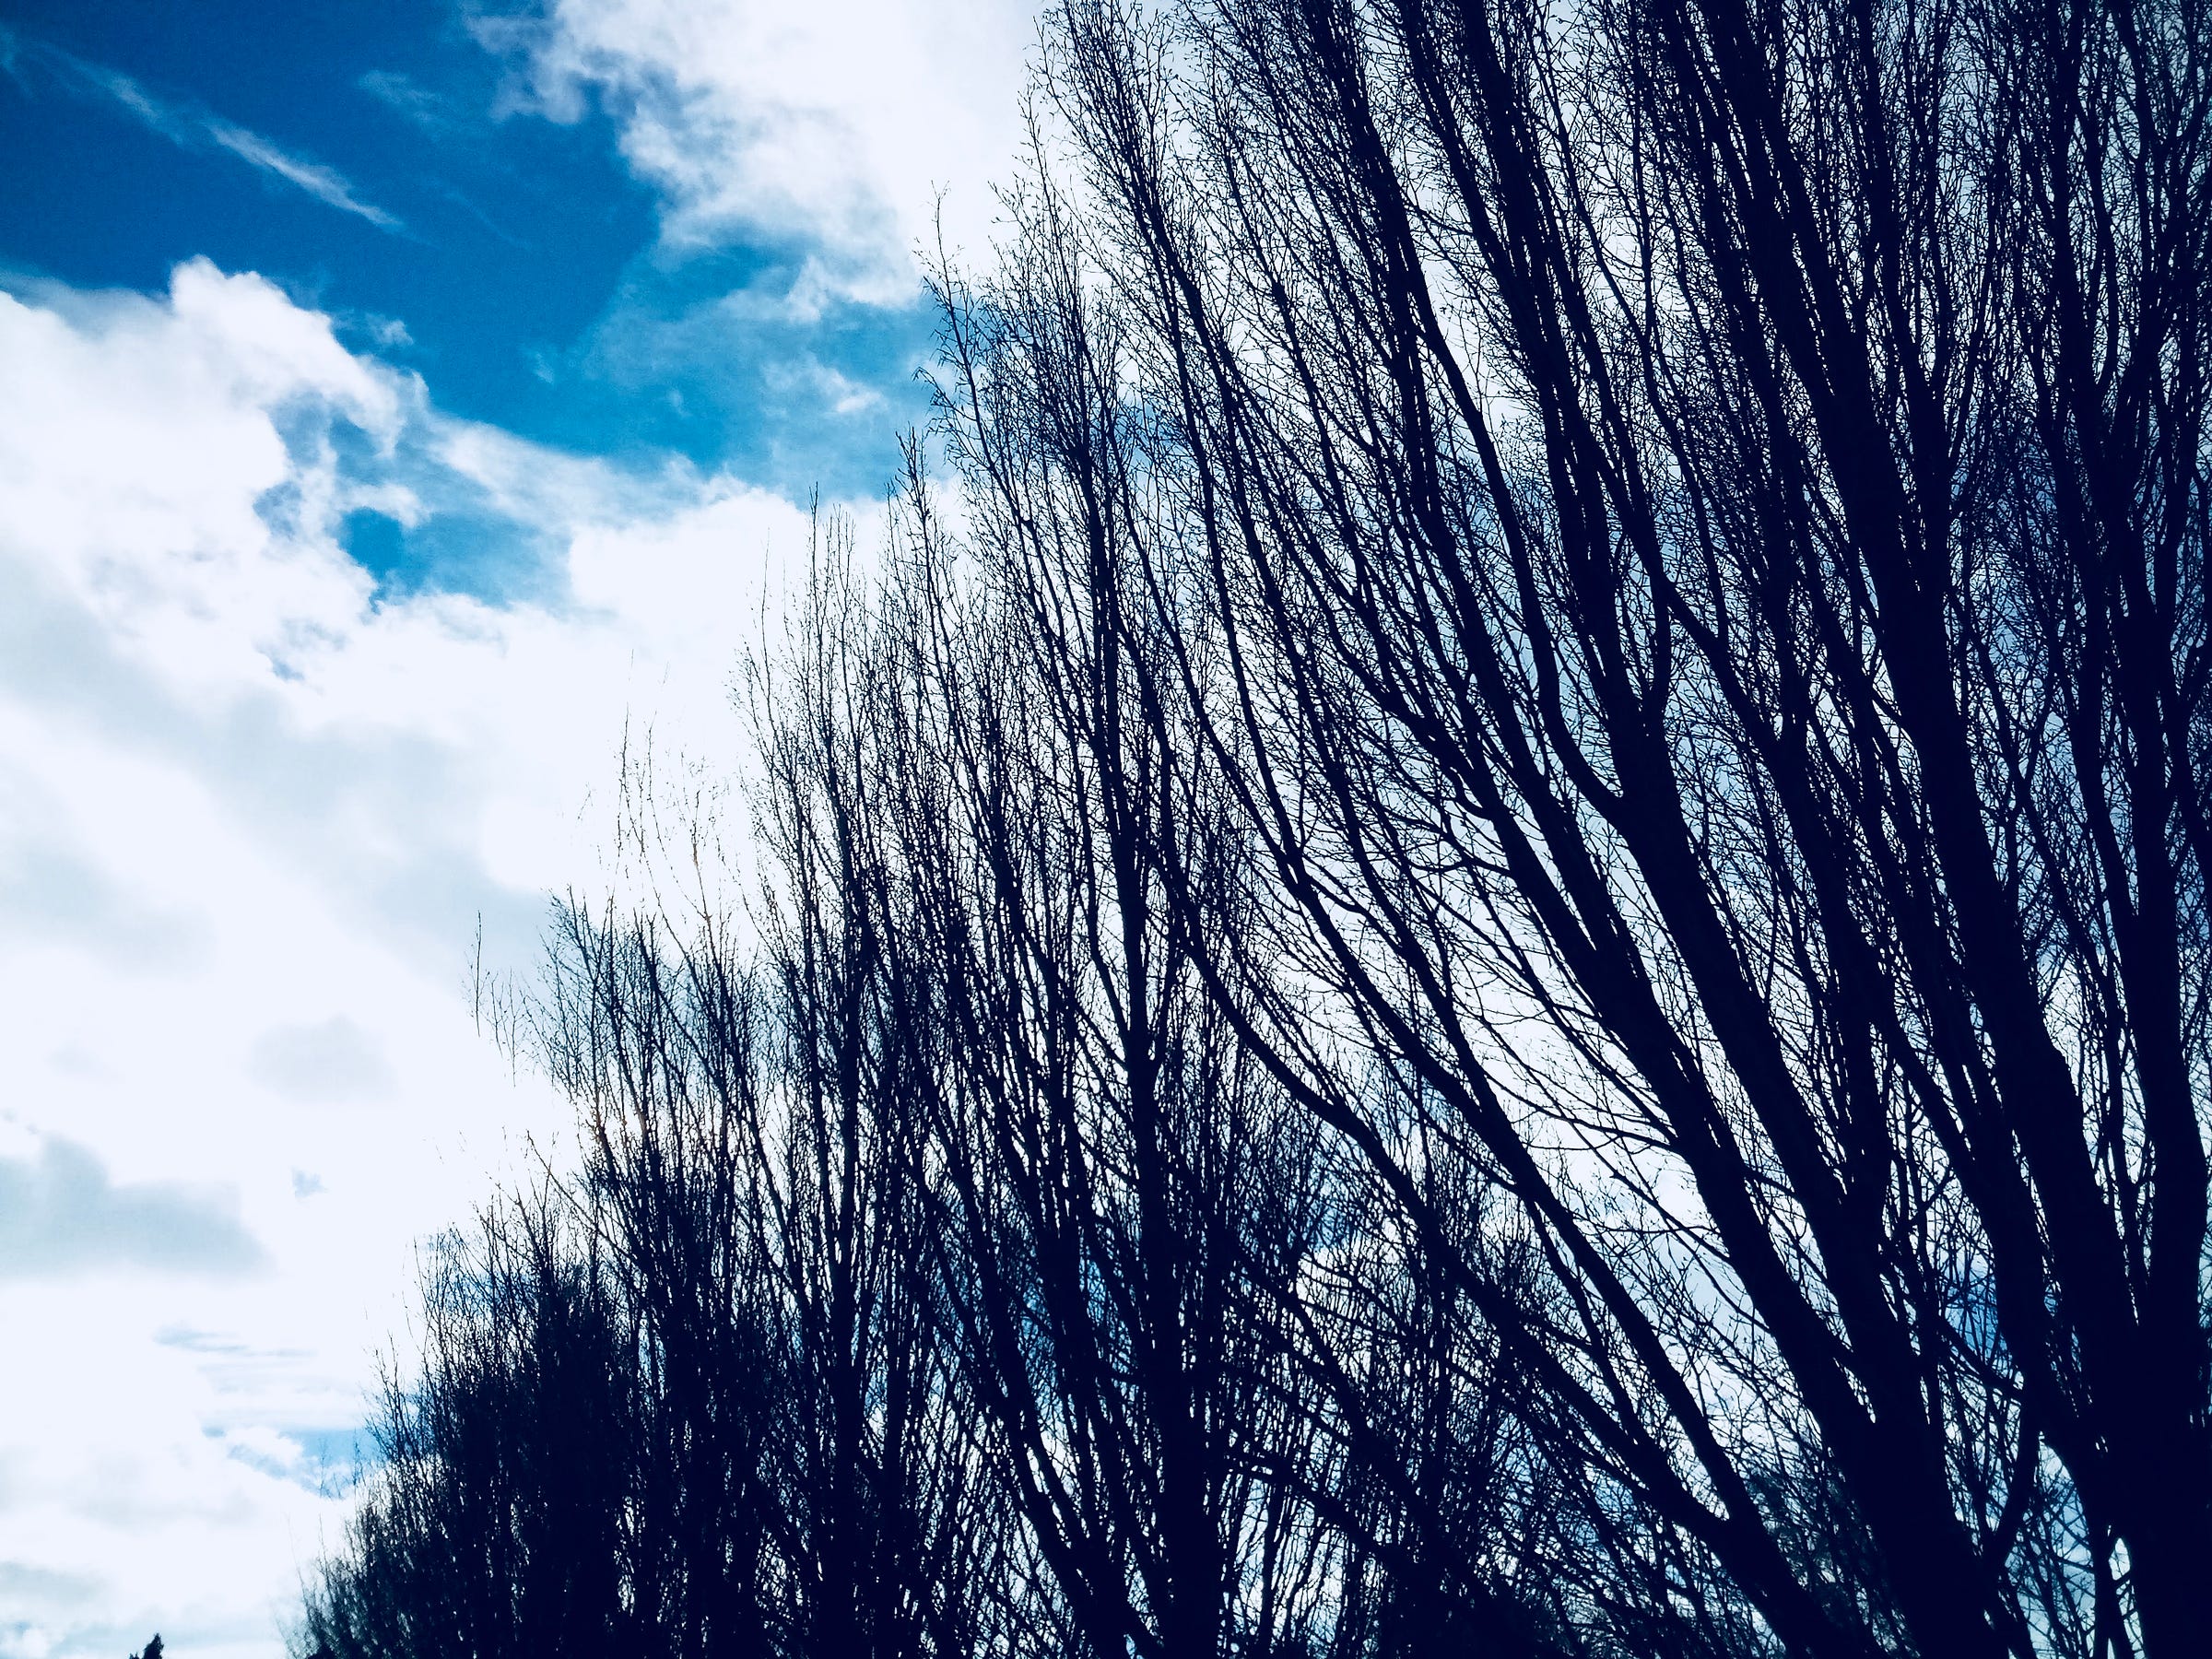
(1705, 511)
(1493, 931)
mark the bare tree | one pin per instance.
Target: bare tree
(1112, 1160)
(776, 1460)
(1100, 917)
(1493, 935)
(1703, 511)
(494, 1523)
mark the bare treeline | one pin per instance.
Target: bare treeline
(1492, 938)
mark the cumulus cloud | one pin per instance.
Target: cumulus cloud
(836, 124)
(253, 802)
(61, 1214)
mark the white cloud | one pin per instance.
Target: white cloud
(838, 123)
(250, 811)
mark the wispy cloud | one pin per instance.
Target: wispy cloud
(409, 100)
(326, 184)
(192, 127)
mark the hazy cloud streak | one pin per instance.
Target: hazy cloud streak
(192, 128)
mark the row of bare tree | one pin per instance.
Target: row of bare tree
(1492, 938)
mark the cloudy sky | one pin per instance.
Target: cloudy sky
(399, 403)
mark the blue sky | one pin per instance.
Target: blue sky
(406, 410)
(392, 166)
